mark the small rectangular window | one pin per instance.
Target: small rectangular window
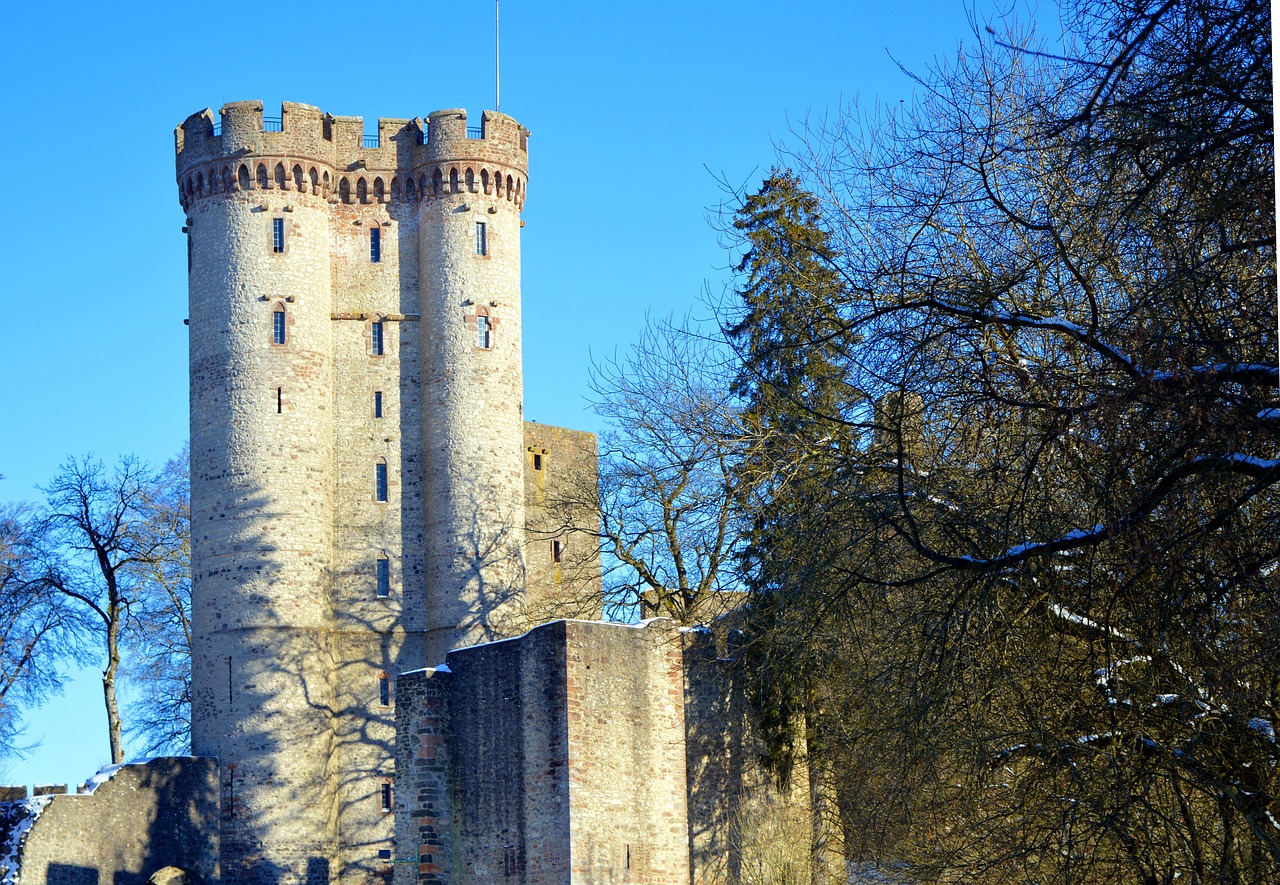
(277, 235)
(376, 338)
(278, 326)
(385, 797)
(482, 332)
(384, 854)
(482, 238)
(279, 400)
(384, 576)
(384, 691)
(557, 551)
(537, 461)
(377, 404)
(375, 244)
(380, 481)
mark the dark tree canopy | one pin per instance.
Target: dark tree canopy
(1026, 600)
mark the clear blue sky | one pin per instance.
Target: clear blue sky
(636, 109)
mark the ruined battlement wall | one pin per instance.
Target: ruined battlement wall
(140, 819)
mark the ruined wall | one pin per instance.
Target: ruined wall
(562, 545)
(557, 757)
(743, 826)
(140, 819)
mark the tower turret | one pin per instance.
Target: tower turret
(473, 388)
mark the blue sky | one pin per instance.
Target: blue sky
(638, 112)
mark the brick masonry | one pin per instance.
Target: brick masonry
(557, 757)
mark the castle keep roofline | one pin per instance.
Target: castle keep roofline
(309, 151)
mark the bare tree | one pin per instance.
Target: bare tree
(667, 490)
(158, 640)
(34, 630)
(99, 544)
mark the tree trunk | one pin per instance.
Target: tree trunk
(109, 693)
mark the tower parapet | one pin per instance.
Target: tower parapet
(309, 151)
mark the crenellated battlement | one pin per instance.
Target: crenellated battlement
(308, 151)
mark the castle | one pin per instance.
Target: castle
(362, 490)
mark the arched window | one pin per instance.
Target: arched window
(395, 190)
(471, 181)
(379, 190)
(226, 179)
(279, 326)
(437, 182)
(410, 191)
(298, 181)
(453, 181)
(484, 180)
(344, 190)
(280, 177)
(315, 180)
(384, 690)
(262, 176)
(484, 332)
(362, 191)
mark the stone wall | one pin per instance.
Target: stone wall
(557, 757)
(562, 544)
(143, 819)
(743, 826)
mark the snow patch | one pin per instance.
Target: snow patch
(26, 811)
(1264, 727)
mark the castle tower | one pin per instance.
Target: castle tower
(473, 388)
(356, 452)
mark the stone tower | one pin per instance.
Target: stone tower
(357, 453)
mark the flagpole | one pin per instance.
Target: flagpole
(497, 59)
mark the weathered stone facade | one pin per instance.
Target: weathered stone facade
(557, 757)
(153, 821)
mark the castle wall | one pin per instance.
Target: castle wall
(262, 526)
(557, 757)
(145, 817)
(743, 826)
(379, 626)
(562, 544)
